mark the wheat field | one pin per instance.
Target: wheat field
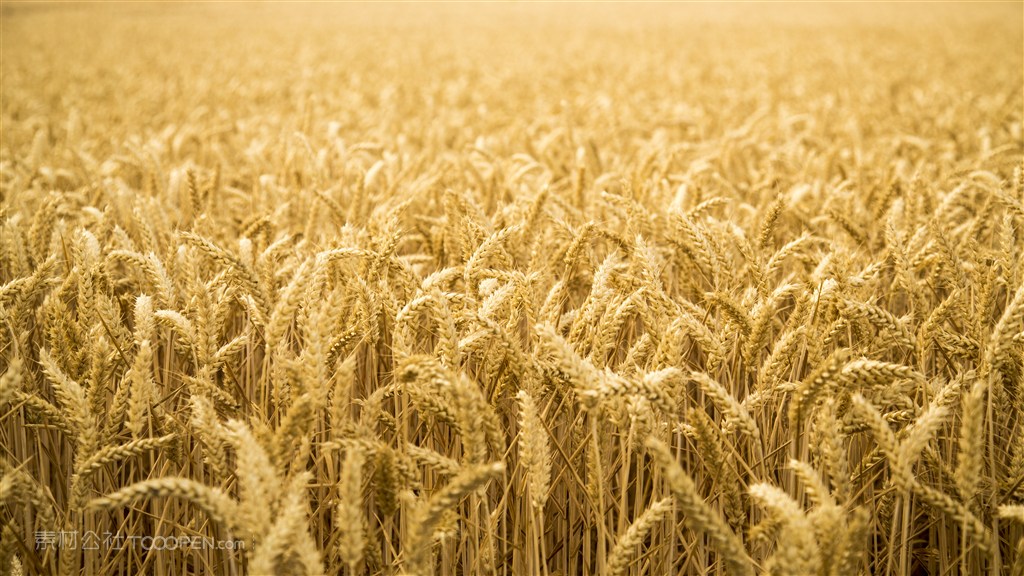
(514, 289)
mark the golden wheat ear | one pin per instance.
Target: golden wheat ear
(699, 516)
(214, 502)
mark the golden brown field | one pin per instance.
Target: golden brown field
(512, 289)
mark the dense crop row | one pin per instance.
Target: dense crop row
(513, 289)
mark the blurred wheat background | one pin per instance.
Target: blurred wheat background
(522, 289)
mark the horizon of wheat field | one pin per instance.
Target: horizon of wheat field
(512, 289)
